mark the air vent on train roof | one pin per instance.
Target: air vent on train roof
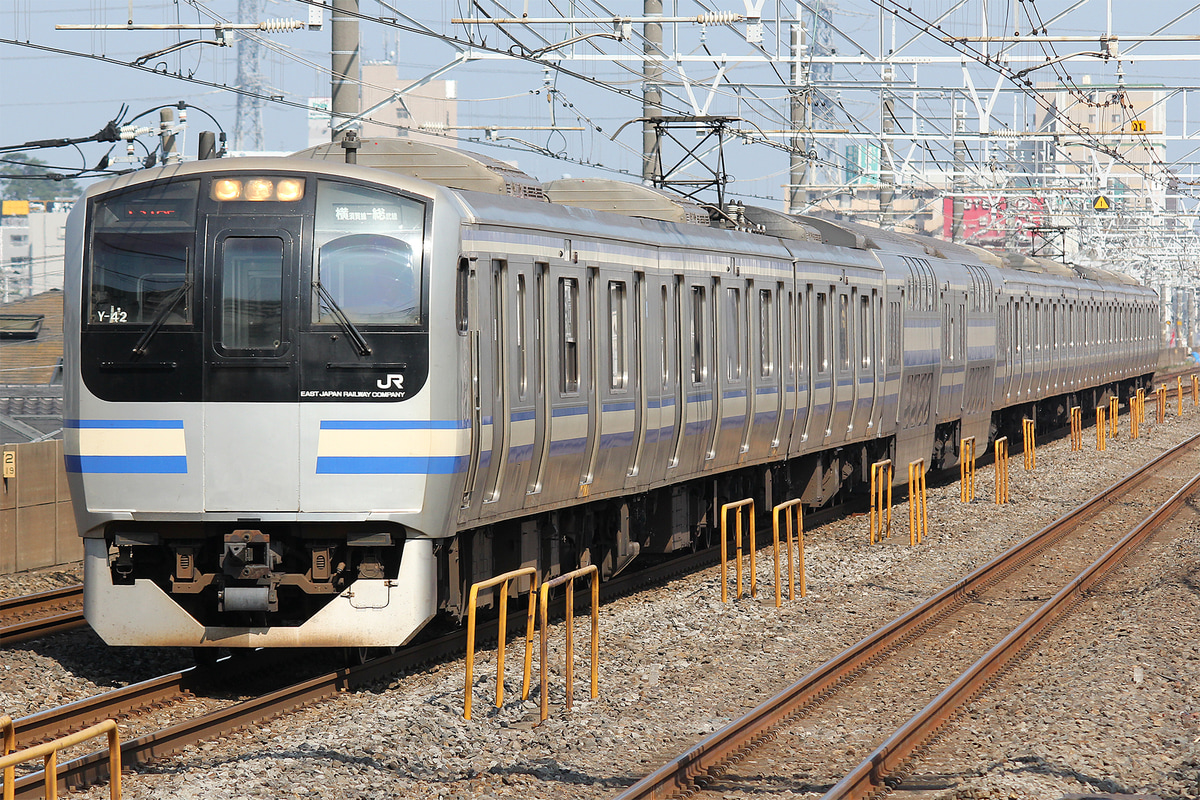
(445, 166)
(630, 199)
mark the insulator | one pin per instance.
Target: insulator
(279, 25)
(718, 18)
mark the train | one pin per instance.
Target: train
(310, 400)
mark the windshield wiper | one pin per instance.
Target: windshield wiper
(139, 349)
(360, 344)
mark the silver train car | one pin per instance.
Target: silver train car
(310, 402)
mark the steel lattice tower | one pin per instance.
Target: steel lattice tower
(248, 128)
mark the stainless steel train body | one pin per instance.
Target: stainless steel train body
(309, 403)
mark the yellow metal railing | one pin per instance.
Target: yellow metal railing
(544, 602)
(1179, 394)
(1135, 413)
(793, 517)
(1141, 401)
(918, 510)
(502, 581)
(881, 492)
(1195, 390)
(1101, 425)
(48, 752)
(1114, 408)
(1029, 431)
(1000, 448)
(747, 504)
(966, 469)
(1160, 395)
(1076, 428)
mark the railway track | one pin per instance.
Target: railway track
(36, 615)
(169, 692)
(896, 687)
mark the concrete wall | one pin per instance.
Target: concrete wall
(37, 525)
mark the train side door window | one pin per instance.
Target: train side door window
(766, 354)
(568, 319)
(699, 312)
(734, 320)
(618, 341)
(821, 330)
(251, 317)
(844, 332)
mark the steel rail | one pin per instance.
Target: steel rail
(92, 768)
(41, 625)
(880, 770)
(683, 772)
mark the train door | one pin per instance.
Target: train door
(618, 386)
(644, 350)
(773, 367)
(569, 386)
(867, 381)
(821, 359)
(251, 378)
(516, 320)
(699, 349)
(843, 358)
(733, 403)
(541, 395)
(800, 316)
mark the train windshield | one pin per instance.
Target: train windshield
(368, 256)
(141, 256)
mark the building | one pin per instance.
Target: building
(31, 350)
(32, 245)
(432, 107)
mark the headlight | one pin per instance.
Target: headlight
(257, 190)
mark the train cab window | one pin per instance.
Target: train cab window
(368, 255)
(251, 316)
(139, 257)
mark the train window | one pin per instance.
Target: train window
(568, 319)
(618, 369)
(734, 319)
(844, 331)
(699, 309)
(251, 294)
(821, 331)
(666, 340)
(140, 256)
(522, 372)
(893, 338)
(866, 334)
(961, 341)
(947, 333)
(766, 352)
(368, 255)
(462, 282)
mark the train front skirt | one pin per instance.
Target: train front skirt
(368, 613)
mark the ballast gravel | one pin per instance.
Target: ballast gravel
(677, 664)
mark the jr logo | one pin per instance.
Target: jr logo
(392, 380)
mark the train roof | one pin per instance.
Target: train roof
(444, 166)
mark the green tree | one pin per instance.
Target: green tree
(34, 187)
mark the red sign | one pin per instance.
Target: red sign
(989, 222)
